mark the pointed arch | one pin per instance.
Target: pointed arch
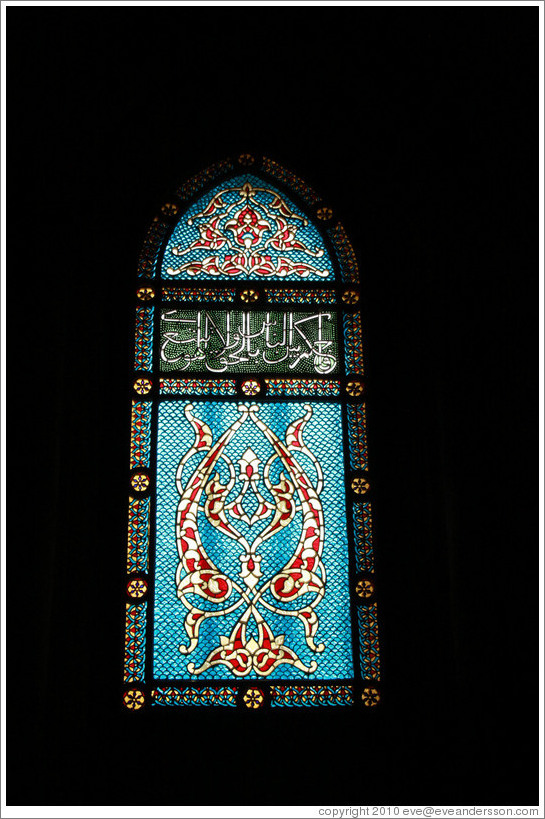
(250, 569)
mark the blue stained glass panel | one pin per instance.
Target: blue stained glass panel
(247, 230)
(317, 451)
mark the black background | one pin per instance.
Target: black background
(419, 127)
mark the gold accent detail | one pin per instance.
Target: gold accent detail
(169, 209)
(253, 698)
(364, 588)
(324, 214)
(145, 293)
(249, 296)
(370, 696)
(246, 159)
(250, 387)
(360, 486)
(140, 481)
(137, 588)
(142, 386)
(351, 297)
(133, 699)
(354, 388)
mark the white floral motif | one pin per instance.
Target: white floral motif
(303, 574)
(246, 232)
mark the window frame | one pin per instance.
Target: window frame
(365, 687)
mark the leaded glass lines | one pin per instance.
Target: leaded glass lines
(274, 575)
(182, 294)
(135, 645)
(296, 386)
(245, 483)
(143, 338)
(369, 650)
(137, 550)
(248, 230)
(151, 248)
(234, 341)
(345, 254)
(363, 536)
(353, 350)
(290, 179)
(292, 296)
(140, 434)
(202, 386)
(195, 696)
(311, 695)
(357, 436)
(197, 182)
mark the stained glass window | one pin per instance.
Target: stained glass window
(250, 568)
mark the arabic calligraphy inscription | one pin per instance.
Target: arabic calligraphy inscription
(218, 341)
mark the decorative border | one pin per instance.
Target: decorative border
(135, 642)
(353, 344)
(197, 182)
(369, 648)
(309, 695)
(140, 434)
(197, 294)
(202, 386)
(363, 536)
(150, 250)
(291, 295)
(138, 545)
(194, 696)
(345, 254)
(357, 436)
(291, 180)
(296, 386)
(138, 541)
(143, 338)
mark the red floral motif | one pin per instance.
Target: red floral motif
(245, 230)
(302, 575)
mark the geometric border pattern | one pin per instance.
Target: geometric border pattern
(194, 185)
(291, 180)
(353, 344)
(309, 695)
(290, 695)
(137, 550)
(293, 386)
(357, 436)
(151, 248)
(197, 294)
(345, 254)
(363, 535)
(369, 649)
(190, 386)
(140, 434)
(194, 696)
(143, 338)
(291, 296)
(135, 642)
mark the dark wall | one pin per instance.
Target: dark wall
(418, 126)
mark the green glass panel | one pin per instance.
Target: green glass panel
(249, 341)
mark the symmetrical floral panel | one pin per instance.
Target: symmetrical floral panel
(250, 572)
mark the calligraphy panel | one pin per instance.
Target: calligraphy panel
(242, 514)
(251, 554)
(256, 341)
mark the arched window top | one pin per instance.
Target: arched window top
(250, 566)
(245, 228)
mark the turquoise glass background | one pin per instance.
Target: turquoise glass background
(323, 436)
(184, 235)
